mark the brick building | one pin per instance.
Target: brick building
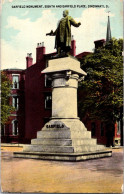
(14, 129)
(31, 97)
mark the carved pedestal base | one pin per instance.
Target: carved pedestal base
(64, 139)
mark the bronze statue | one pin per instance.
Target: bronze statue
(63, 34)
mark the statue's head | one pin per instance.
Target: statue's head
(65, 13)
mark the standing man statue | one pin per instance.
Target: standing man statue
(63, 34)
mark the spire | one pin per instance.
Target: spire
(108, 34)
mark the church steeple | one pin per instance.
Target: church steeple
(108, 34)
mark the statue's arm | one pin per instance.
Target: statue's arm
(74, 23)
(51, 33)
(54, 33)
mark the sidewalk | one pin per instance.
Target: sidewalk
(12, 145)
(92, 176)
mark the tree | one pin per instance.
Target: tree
(6, 108)
(102, 87)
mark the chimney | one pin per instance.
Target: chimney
(40, 51)
(73, 47)
(99, 43)
(29, 60)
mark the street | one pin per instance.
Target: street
(92, 176)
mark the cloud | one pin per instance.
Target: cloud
(25, 13)
(11, 57)
(93, 27)
(29, 34)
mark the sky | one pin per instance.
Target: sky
(23, 26)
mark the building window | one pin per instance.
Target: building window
(48, 82)
(15, 81)
(15, 127)
(48, 101)
(93, 129)
(2, 130)
(102, 129)
(15, 102)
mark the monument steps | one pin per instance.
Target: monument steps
(64, 133)
(63, 142)
(71, 157)
(62, 149)
(88, 148)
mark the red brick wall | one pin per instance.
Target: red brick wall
(17, 114)
(34, 100)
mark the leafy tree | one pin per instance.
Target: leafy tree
(6, 108)
(102, 87)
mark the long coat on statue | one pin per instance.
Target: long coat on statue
(63, 32)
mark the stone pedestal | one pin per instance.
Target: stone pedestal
(64, 137)
(64, 97)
